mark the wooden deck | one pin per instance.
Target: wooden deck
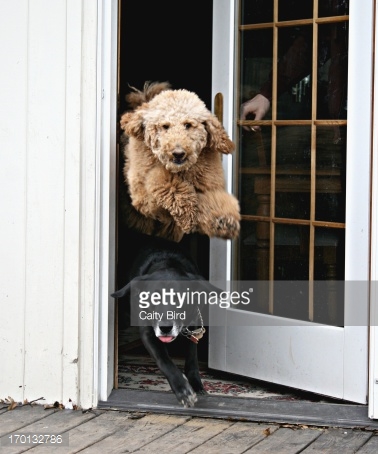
(107, 431)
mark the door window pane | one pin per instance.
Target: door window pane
(294, 9)
(333, 8)
(330, 173)
(290, 172)
(256, 63)
(332, 71)
(293, 172)
(294, 67)
(256, 11)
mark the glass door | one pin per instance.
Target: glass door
(291, 170)
(292, 93)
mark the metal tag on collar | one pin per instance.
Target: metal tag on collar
(197, 334)
(193, 339)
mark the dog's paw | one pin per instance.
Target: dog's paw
(185, 220)
(226, 227)
(185, 393)
(198, 388)
(202, 392)
(187, 397)
(196, 382)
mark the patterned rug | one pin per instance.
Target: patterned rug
(141, 373)
(136, 370)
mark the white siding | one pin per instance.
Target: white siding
(47, 153)
(13, 153)
(373, 340)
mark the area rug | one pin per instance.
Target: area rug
(136, 370)
(141, 373)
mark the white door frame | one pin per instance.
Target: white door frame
(358, 192)
(223, 82)
(106, 176)
(373, 349)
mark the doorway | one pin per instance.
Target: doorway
(180, 52)
(179, 49)
(193, 31)
(161, 61)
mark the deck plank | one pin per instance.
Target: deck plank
(57, 422)
(137, 434)
(20, 417)
(371, 447)
(338, 440)
(90, 432)
(103, 431)
(286, 441)
(187, 437)
(236, 439)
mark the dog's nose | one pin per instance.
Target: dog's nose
(179, 155)
(165, 329)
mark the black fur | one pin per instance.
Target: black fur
(162, 260)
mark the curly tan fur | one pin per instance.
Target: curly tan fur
(173, 167)
(138, 97)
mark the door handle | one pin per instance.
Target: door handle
(218, 107)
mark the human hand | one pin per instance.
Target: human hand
(259, 106)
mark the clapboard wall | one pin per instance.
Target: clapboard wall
(48, 199)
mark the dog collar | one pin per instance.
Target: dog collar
(196, 334)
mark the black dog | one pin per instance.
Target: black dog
(160, 261)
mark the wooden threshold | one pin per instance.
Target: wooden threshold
(244, 409)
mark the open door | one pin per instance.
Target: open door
(302, 175)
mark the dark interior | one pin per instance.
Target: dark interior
(162, 41)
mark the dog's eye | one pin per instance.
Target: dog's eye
(165, 126)
(187, 125)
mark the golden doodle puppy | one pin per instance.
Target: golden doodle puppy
(173, 166)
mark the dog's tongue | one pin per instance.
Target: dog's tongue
(166, 339)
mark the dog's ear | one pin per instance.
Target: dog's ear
(206, 286)
(133, 285)
(133, 124)
(122, 292)
(218, 139)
